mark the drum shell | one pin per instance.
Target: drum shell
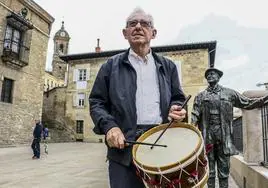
(182, 172)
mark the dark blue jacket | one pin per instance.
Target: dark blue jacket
(38, 130)
(113, 98)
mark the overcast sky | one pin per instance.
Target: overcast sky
(85, 21)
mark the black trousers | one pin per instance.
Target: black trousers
(36, 147)
(123, 176)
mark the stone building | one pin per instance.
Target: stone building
(55, 91)
(52, 81)
(191, 59)
(61, 46)
(56, 77)
(24, 34)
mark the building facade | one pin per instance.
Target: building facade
(24, 33)
(52, 81)
(191, 59)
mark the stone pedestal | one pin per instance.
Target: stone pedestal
(252, 131)
(252, 136)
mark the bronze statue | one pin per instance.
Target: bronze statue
(213, 114)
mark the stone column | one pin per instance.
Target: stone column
(252, 131)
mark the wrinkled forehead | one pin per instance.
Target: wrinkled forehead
(139, 16)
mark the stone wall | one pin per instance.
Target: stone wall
(16, 120)
(193, 66)
(54, 117)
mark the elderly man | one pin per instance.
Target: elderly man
(213, 114)
(133, 92)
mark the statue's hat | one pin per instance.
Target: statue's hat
(213, 69)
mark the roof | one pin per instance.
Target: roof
(211, 46)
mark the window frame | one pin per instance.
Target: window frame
(80, 126)
(80, 100)
(82, 74)
(10, 43)
(7, 91)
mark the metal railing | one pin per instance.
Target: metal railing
(264, 117)
(238, 134)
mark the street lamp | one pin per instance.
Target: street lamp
(263, 84)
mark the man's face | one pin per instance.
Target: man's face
(139, 30)
(213, 77)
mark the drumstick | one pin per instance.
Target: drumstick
(144, 143)
(182, 106)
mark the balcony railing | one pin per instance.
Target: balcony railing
(15, 54)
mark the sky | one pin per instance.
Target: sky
(177, 22)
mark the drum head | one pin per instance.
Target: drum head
(182, 140)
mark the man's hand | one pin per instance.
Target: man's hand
(177, 113)
(115, 138)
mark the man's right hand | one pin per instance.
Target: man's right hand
(115, 138)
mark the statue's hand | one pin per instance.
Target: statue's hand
(265, 99)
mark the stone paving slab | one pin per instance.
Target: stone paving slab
(68, 165)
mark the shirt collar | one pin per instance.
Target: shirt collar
(147, 58)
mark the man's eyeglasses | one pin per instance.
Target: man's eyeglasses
(143, 23)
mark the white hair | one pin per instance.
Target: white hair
(139, 10)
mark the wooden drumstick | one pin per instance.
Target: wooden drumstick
(143, 143)
(182, 106)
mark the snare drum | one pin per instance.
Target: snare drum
(182, 164)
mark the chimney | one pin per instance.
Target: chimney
(98, 49)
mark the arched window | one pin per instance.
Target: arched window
(61, 48)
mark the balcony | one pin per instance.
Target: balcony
(16, 58)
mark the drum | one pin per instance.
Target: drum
(182, 164)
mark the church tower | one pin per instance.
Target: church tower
(61, 44)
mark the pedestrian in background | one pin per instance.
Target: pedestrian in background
(45, 135)
(37, 133)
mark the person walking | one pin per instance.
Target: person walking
(37, 133)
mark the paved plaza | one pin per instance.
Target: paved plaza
(67, 165)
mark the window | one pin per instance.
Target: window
(79, 126)
(17, 40)
(6, 94)
(81, 99)
(61, 48)
(82, 74)
(12, 40)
